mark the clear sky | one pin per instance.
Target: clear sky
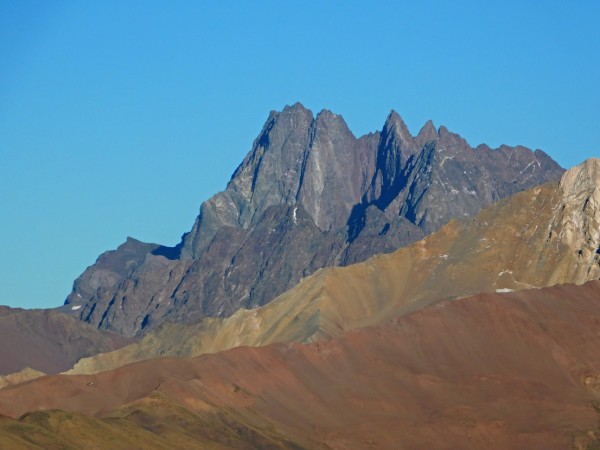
(118, 118)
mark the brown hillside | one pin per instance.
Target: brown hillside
(48, 340)
(498, 371)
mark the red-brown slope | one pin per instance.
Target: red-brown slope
(48, 340)
(517, 370)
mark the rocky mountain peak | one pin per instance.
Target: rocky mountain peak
(394, 125)
(327, 114)
(396, 147)
(296, 159)
(295, 108)
(342, 199)
(426, 134)
(454, 141)
(332, 150)
(331, 124)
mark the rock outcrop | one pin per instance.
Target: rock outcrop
(308, 195)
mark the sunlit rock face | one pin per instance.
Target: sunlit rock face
(308, 195)
(576, 223)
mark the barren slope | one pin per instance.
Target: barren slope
(498, 371)
(48, 340)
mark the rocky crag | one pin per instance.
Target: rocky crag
(308, 195)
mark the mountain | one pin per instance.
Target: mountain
(541, 237)
(48, 341)
(516, 370)
(308, 195)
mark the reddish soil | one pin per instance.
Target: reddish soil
(495, 371)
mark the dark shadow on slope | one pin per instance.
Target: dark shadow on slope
(356, 221)
(171, 253)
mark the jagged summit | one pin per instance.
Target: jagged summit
(295, 107)
(426, 134)
(395, 124)
(298, 108)
(349, 198)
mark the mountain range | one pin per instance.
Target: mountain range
(545, 236)
(388, 291)
(308, 195)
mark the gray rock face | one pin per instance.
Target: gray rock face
(296, 159)
(113, 267)
(308, 195)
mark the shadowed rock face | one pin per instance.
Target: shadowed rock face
(308, 195)
(499, 371)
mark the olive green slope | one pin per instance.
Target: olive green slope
(154, 422)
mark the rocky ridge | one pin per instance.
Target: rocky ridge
(308, 195)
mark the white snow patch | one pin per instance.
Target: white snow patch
(527, 167)
(294, 214)
(75, 308)
(504, 290)
(472, 193)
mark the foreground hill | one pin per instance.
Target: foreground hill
(519, 370)
(48, 341)
(545, 236)
(308, 195)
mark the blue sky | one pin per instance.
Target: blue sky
(118, 118)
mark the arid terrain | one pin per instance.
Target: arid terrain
(483, 334)
(513, 370)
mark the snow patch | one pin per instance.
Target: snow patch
(294, 214)
(527, 167)
(75, 308)
(504, 290)
(472, 193)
